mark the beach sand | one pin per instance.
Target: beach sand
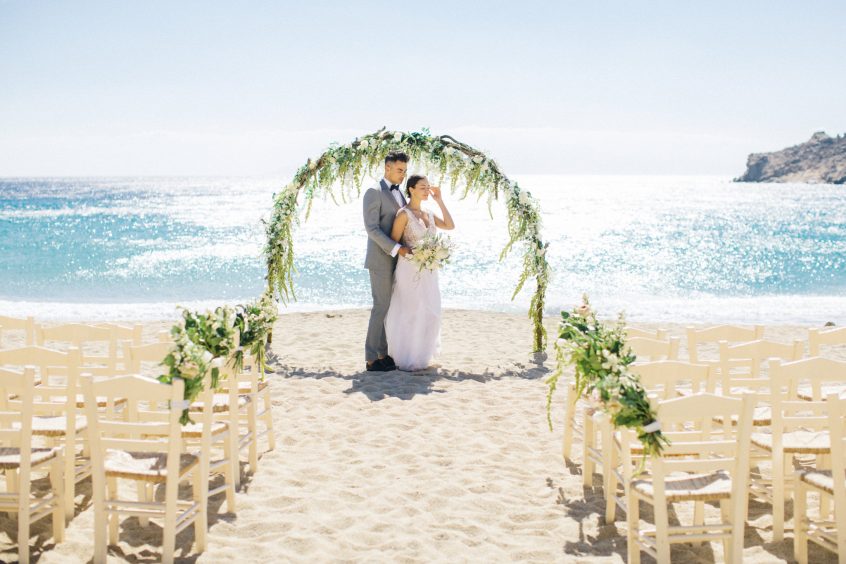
(455, 463)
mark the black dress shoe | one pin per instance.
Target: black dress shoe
(389, 362)
(378, 365)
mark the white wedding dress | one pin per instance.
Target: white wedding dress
(413, 322)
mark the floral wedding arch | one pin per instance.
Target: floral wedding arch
(340, 170)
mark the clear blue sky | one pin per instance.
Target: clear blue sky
(254, 88)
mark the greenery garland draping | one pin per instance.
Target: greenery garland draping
(346, 166)
(600, 358)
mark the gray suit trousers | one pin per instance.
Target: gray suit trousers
(381, 285)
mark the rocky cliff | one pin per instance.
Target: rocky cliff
(820, 160)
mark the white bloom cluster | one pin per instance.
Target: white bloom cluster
(432, 252)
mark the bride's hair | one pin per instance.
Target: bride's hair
(412, 182)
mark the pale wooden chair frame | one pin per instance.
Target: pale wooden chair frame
(142, 447)
(136, 355)
(799, 427)
(662, 380)
(28, 326)
(18, 458)
(259, 395)
(124, 334)
(816, 338)
(731, 333)
(80, 334)
(830, 533)
(720, 454)
(55, 407)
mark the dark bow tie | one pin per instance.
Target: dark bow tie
(394, 186)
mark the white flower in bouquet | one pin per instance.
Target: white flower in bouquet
(363, 144)
(524, 198)
(432, 252)
(397, 136)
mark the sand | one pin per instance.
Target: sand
(455, 463)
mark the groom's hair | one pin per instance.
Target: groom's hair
(395, 156)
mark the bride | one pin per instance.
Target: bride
(413, 322)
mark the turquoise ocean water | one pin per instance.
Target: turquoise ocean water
(697, 249)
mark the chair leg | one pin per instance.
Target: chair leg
(698, 517)
(633, 518)
(588, 441)
(824, 463)
(800, 510)
(230, 470)
(169, 529)
(24, 489)
(70, 481)
(252, 429)
(725, 514)
(200, 493)
(58, 500)
(608, 476)
(268, 419)
(569, 421)
(144, 494)
(234, 439)
(111, 488)
(662, 533)
(778, 497)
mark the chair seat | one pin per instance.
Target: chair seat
(219, 403)
(10, 457)
(244, 387)
(101, 402)
(147, 466)
(797, 442)
(195, 430)
(55, 425)
(689, 487)
(820, 479)
(762, 417)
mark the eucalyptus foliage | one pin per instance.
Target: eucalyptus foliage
(600, 358)
(340, 171)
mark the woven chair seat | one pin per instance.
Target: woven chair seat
(220, 403)
(244, 387)
(147, 466)
(820, 479)
(10, 457)
(101, 402)
(762, 417)
(797, 442)
(55, 425)
(689, 487)
(195, 430)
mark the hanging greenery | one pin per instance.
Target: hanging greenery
(600, 358)
(339, 172)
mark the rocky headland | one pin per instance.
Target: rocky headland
(822, 159)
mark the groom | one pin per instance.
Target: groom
(381, 204)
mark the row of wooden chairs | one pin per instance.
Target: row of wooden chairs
(787, 396)
(62, 415)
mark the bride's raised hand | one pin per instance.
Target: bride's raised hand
(436, 192)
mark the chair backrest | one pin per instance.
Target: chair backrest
(85, 337)
(26, 326)
(837, 432)
(59, 373)
(633, 332)
(730, 333)
(740, 364)
(149, 421)
(699, 446)
(817, 337)
(814, 377)
(789, 413)
(16, 416)
(145, 359)
(668, 379)
(654, 349)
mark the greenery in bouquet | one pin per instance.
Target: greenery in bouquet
(600, 359)
(339, 172)
(254, 322)
(432, 252)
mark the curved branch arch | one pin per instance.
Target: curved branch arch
(345, 167)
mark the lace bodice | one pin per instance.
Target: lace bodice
(415, 229)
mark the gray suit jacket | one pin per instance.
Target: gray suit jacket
(380, 210)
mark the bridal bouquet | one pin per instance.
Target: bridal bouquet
(432, 252)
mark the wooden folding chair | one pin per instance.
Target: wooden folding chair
(816, 339)
(27, 327)
(824, 529)
(144, 445)
(702, 463)
(19, 459)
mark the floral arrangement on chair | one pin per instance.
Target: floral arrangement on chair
(600, 358)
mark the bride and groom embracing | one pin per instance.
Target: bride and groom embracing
(405, 322)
